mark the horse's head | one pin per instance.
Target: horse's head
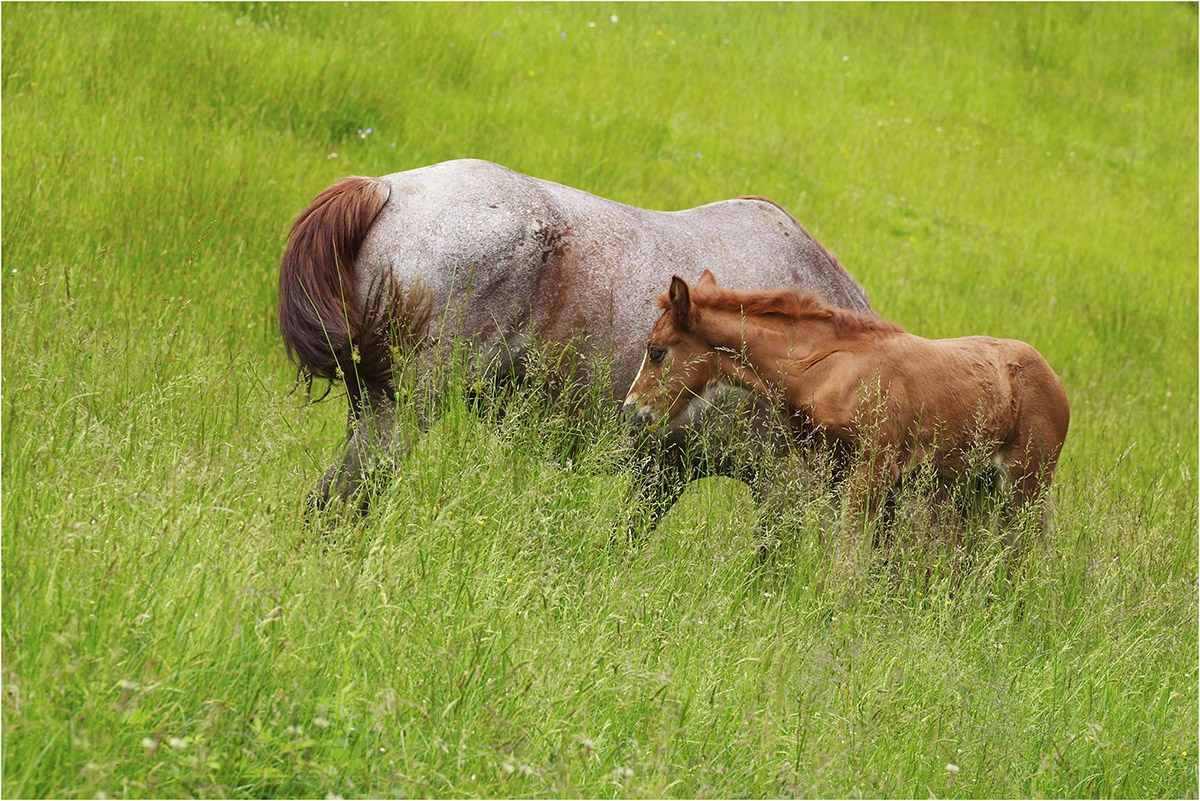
(679, 365)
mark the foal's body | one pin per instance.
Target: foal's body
(863, 384)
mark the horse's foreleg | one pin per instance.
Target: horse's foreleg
(777, 498)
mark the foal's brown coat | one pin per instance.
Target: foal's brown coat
(863, 383)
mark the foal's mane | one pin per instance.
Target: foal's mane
(786, 303)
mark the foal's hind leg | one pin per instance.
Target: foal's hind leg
(1037, 439)
(1029, 467)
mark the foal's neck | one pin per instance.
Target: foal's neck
(764, 351)
(776, 352)
(778, 336)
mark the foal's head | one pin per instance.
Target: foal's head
(679, 365)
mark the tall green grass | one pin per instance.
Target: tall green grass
(172, 627)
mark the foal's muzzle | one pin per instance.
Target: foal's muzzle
(638, 414)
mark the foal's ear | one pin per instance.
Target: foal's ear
(707, 279)
(681, 302)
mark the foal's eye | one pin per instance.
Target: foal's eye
(657, 354)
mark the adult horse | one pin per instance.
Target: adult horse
(470, 251)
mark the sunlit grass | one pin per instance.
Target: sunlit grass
(173, 627)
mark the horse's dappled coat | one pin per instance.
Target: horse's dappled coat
(501, 260)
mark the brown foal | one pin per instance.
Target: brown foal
(864, 385)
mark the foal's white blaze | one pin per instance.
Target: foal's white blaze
(631, 396)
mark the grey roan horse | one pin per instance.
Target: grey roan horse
(473, 252)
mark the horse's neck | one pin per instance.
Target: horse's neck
(770, 353)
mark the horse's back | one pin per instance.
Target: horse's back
(506, 255)
(475, 212)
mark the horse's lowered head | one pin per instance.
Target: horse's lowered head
(679, 368)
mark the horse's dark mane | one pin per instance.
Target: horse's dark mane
(785, 303)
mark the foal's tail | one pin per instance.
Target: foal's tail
(325, 328)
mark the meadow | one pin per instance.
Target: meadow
(172, 626)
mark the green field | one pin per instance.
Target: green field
(171, 625)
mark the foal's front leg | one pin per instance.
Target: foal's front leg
(865, 491)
